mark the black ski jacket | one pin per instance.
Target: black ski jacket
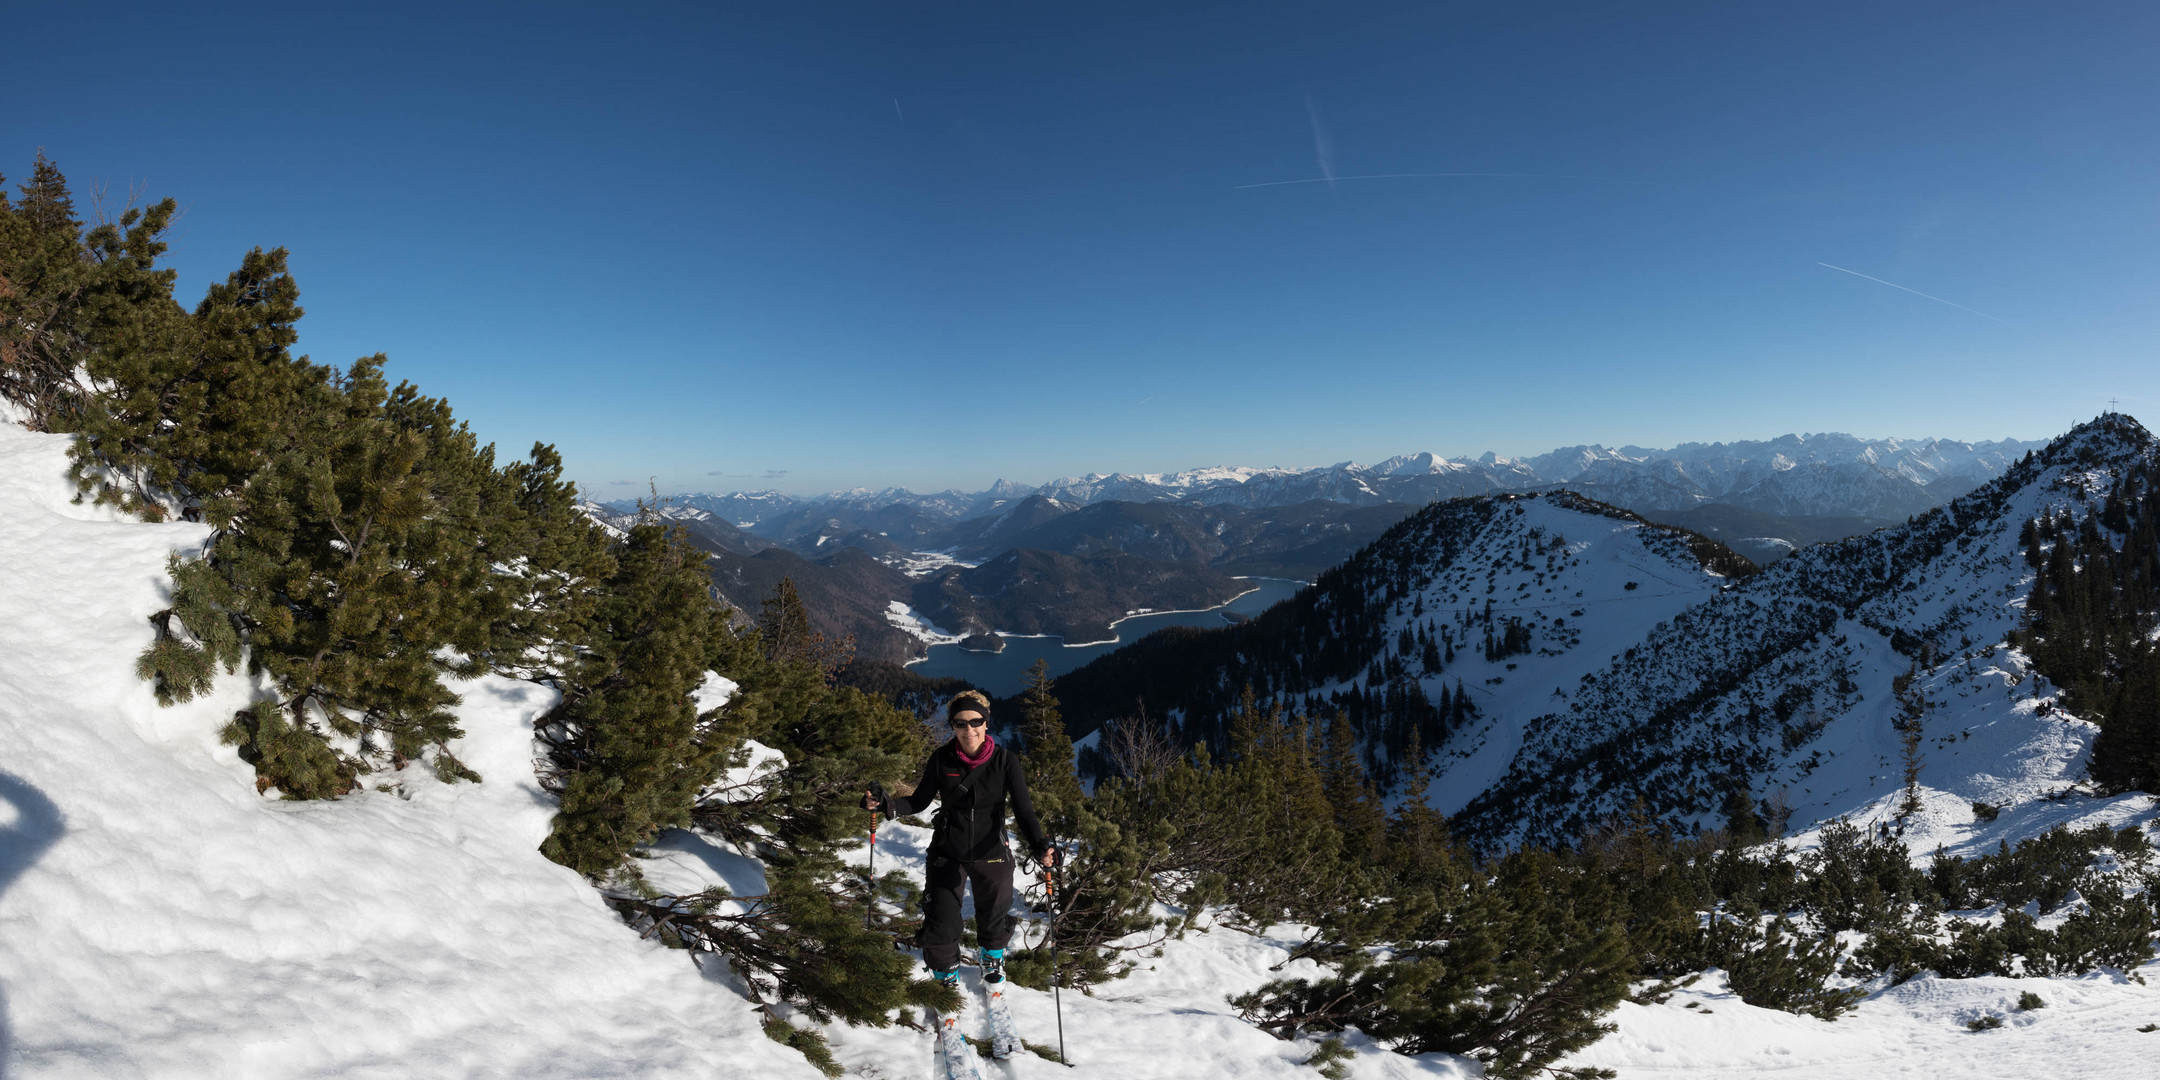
(970, 821)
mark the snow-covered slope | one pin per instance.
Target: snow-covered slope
(1782, 682)
(2089, 1028)
(159, 919)
(1855, 489)
(1584, 584)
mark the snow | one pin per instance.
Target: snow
(160, 919)
(1169, 1020)
(713, 692)
(918, 625)
(922, 564)
(1986, 740)
(1589, 591)
(2087, 1029)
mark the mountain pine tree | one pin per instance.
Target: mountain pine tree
(69, 298)
(355, 567)
(630, 753)
(807, 940)
(190, 408)
(1112, 855)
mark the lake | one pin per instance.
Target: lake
(1001, 673)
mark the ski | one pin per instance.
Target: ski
(956, 1058)
(1004, 1033)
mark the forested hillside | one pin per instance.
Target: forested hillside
(1671, 694)
(1469, 589)
(2092, 621)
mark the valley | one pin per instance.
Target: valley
(1085, 551)
(1609, 661)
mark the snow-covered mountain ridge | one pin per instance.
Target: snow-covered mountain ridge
(1827, 475)
(1606, 663)
(1748, 684)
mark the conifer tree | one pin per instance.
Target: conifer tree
(1911, 722)
(1048, 759)
(1419, 849)
(1743, 826)
(629, 750)
(784, 626)
(1357, 810)
(1112, 856)
(70, 298)
(46, 206)
(1269, 809)
(191, 408)
(808, 939)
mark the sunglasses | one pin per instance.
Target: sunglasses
(960, 722)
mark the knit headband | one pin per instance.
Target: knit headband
(968, 701)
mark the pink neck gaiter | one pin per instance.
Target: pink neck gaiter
(975, 760)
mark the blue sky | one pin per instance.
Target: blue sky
(812, 246)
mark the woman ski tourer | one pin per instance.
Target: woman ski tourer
(970, 778)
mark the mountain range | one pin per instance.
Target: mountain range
(893, 567)
(1566, 660)
(1823, 475)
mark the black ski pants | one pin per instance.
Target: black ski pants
(992, 881)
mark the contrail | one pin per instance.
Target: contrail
(1407, 175)
(897, 112)
(1323, 147)
(1915, 292)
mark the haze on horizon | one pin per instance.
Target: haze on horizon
(751, 485)
(811, 248)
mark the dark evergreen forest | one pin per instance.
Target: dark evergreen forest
(2093, 622)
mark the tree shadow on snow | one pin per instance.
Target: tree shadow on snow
(29, 824)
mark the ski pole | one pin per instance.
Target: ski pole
(1056, 997)
(870, 873)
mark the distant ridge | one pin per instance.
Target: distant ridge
(1821, 475)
